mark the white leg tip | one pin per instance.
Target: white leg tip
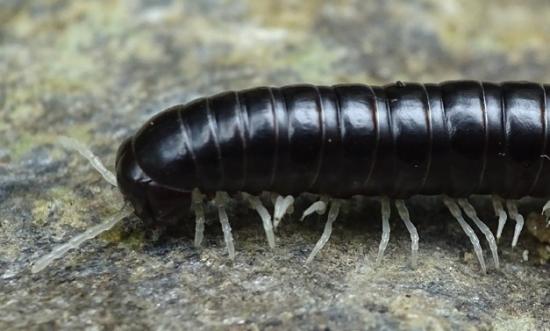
(516, 216)
(282, 207)
(501, 213)
(221, 200)
(404, 215)
(471, 213)
(198, 209)
(256, 204)
(332, 215)
(386, 210)
(457, 214)
(318, 207)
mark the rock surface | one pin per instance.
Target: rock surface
(96, 70)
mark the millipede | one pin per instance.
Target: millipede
(454, 139)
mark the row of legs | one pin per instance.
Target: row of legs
(284, 205)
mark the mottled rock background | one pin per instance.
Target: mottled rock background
(96, 70)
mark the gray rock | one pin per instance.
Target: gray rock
(96, 70)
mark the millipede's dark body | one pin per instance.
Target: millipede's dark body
(455, 138)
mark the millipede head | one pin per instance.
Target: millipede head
(151, 201)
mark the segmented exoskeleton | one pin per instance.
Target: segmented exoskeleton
(452, 139)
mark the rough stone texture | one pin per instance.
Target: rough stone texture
(95, 70)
